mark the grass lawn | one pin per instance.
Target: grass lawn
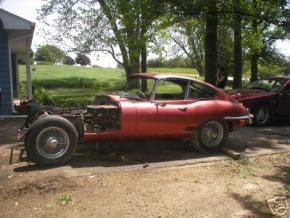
(70, 85)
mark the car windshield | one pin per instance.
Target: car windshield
(270, 85)
(138, 88)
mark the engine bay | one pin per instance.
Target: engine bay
(103, 115)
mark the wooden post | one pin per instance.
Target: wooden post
(28, 72)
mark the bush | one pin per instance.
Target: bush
(49, 53)
(68, 60)
(40, 95)
(83, 60)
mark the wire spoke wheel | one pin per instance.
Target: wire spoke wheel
(212, 134)
(52, 142)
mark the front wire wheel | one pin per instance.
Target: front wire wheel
(52, 142)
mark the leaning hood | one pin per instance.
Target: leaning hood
(241, 94)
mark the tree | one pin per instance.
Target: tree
(209, 12)
(105, 25)
(83, 60)
(238, 64)
(211, 42)
(267, 23)
(188, 35)
(49, 53)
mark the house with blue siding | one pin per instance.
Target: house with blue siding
(16, 35)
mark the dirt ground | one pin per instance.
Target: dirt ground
(151, 179)
(217, 189)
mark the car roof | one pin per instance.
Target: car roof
(278, 77)
(156, 75)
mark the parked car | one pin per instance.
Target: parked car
(267, 99)
(159, 106)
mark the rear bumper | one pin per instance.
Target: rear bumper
(248, 119)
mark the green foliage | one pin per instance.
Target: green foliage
(65, 200)
(225, 49)
(49, 54)
(40, 95)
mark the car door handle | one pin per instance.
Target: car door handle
(184, 109)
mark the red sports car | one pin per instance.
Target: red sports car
(160, 106)
(267, 99)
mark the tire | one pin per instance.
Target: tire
(44, 138)
(262, 115)
(210, 136)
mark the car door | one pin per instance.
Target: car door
(284, 102)
(166, 112)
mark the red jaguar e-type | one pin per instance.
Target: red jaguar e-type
(160, 106)
(267, 99)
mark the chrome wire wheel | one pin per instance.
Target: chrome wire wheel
(52, 142)
(212, 134)
(262, 115)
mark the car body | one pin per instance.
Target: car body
(165, 106)
(267, 99)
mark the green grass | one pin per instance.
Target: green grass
(71, 85)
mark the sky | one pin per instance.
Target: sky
(28, 10)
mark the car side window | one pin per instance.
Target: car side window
(170, 90)
(199, 90)
(287, 89)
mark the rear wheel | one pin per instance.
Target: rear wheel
(51, 140)
(210, 136)
(261, 115)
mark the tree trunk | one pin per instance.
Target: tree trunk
(211, 42)
(144, 66)
(237, 83)
(133, 68)
(254, 67)
(254, 56)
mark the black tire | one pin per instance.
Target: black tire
(262, 115)
(210, 136)
(44, 138)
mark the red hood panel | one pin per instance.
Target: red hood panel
(240, 94)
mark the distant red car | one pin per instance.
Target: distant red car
(161, 106)
(267, 99)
